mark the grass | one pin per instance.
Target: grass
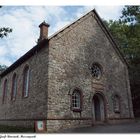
(15, 129)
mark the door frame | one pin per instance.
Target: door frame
(103, 103)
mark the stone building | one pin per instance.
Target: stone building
(75, 77)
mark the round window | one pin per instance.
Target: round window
(96, 71)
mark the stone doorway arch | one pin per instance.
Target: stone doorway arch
(98, 108)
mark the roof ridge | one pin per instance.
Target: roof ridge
(112, 39)
(36, 47)
(12, 66)
(66, 26)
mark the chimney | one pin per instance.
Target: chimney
(43, 31)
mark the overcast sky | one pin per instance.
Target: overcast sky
(24, 21)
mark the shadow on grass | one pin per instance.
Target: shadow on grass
(15, 129)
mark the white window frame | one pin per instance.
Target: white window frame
(76, 100)
(14, 86)
(26, 82)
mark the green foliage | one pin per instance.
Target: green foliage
(131, 14)
(4, 31)
(2, 68)
(126, 32)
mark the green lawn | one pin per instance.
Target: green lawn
(15, 129)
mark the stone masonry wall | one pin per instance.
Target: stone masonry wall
(35, 105)
(57, 70)
(71, 54)
(60, 125)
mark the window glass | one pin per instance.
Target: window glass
(14, 86)
(26, 82)
(96, 71)
(116, 104)
(76, 99)
(5, 89)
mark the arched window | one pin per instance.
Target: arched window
(76, 100)
(26, 74)
(116, 104)
(96, 71)
(14, 87)
(5, 89)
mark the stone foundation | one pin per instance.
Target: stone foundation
(54, 126)
(123, 120)
(58, 125)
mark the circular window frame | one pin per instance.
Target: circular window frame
(100, 68)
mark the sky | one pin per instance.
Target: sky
(24, 20)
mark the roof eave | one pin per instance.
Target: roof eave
(25, 57)
(111, 37)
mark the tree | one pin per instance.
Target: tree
(131, 14)
(126, 32)
(119, 31)
(2, 68)
(4, 30)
